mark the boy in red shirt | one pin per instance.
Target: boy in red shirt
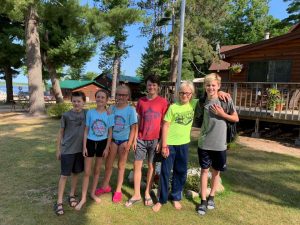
(151, 110)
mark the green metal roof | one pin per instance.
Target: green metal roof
(125, 79)
(73, 84)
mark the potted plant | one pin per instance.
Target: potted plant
(236, 67)
(279, 104)
(273, 97)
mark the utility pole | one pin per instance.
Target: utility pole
(180, 49)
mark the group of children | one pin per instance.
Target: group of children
(154, 131)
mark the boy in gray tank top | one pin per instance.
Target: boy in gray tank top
(212, 140)
(69, 150)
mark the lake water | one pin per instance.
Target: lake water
(16, 89)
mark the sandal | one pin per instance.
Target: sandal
(72, 201)
(148, 201)
(58, 209)
(131, 202)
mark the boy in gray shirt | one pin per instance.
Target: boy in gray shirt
(69, 149)
(212, 144)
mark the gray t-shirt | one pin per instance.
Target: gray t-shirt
(73, 124)
(214, 129)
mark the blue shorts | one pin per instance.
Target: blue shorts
(119, 142)
(71, 163)
(214, 159)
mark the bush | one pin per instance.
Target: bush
(58, 109)
(192, 183)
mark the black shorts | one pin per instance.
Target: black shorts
(71, 163)
(95, 147)
(214, 159)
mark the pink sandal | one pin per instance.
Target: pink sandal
(101, 190)
(117, 197)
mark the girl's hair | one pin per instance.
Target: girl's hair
(78, 94)
(188, 84)
(103, 91)
(124, 87)
(211, 77)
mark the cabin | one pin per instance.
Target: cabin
(134, 83)
(89, 88)
(270, 65)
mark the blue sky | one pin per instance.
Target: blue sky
(138, 43)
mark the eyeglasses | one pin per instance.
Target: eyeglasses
(185, 93)
(122, 95)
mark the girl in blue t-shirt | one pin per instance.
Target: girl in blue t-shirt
(96, 142)
(123, 134)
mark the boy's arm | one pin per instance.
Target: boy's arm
(224, 96)
(132, 134)
(58, 143)
(165, 149)
(134, 144)
(84, 149)
(109, 138)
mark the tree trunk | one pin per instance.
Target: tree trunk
(54, 81)
(115, 74)
(34, 63)
(174, 63)
(9, 84)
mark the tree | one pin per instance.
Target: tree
(294, 12)
(26, 11)
(118, 15)
(11, 51)
(69, 38)
(248, 21)
(156, 58)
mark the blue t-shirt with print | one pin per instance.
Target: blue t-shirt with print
(123, 119)
(98, 124)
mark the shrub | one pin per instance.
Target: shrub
(192, 183)
(56, 110)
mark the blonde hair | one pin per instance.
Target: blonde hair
(211, 77)
(188, 84)
(124, 87)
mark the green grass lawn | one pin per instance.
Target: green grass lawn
(261, 187)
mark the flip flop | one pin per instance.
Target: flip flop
(71, 200)
(131, 202)
(148, 202)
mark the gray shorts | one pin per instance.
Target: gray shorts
(145, 148)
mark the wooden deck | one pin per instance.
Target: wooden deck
(251, 100)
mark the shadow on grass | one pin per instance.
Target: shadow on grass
(270, 177)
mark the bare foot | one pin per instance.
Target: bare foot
(177, 205)
(95, 198)
(157, 207)
(80, 205)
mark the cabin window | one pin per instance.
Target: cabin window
(270, 71)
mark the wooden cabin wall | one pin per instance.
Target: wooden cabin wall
(289, 50)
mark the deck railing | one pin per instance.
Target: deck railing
(252, 101)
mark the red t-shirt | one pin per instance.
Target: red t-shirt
(151, 113)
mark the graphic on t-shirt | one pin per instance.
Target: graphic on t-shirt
(184, 118)
(150, 117)
(119, 124)
(99, 127)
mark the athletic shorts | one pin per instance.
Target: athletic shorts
(214, 159)
(71, 163)
(95, 147)
(145, 148)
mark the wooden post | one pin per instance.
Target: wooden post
(256, 133)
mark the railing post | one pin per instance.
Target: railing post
(234, 92)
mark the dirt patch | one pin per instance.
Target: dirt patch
(261, 144)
